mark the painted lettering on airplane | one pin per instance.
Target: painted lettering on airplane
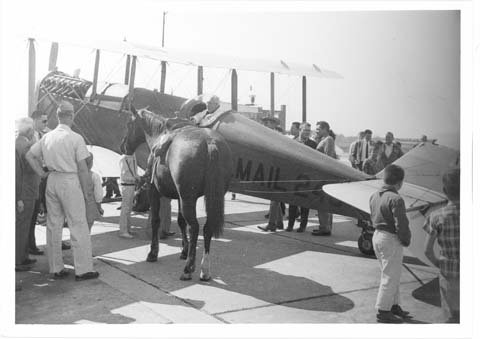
(244, 172)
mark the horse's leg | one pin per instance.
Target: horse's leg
(183, 228)
(190, 215)
(205, 267)
(155, 222)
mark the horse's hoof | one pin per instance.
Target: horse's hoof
(204, 277)
(152, 257)
(183, 256)
(186, 276)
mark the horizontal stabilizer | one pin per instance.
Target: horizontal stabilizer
(419, 201)
(357, 194)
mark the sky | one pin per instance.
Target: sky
(401, 69)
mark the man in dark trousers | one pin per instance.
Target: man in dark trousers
(303, 137)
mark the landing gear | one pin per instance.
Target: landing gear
(365, 244)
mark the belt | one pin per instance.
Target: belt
(123, 184)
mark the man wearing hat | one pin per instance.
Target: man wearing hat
(64, 153)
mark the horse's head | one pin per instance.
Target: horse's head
(135, 135)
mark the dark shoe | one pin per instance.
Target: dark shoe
(267, 216)
(280, 227)
(60, 275)
(86, 276)
(289, 229)
(22, 268)
(301, 229)
(29, 261)
(35, 251)
(66, 246)
(119, 207)
(118, 195)
(266, 228)
(387, 317)
(321, 233)
(397, 310)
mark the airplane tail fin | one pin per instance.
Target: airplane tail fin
(425, 164)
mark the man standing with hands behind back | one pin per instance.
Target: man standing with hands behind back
(64, 153)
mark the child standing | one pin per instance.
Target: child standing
(389, 218)
(443, 226)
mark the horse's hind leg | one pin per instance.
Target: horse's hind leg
(155, 222)
(205, 267)
(183, 228)
(190, 215)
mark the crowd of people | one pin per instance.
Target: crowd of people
(73, 194)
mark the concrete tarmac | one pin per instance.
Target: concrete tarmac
(282, 277)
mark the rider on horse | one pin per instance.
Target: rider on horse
(195, 110)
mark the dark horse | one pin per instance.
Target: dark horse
(198, 163)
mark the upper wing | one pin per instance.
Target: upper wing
(195, 58)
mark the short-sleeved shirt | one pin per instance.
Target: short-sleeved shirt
(387, 207)
(61, 149)
(445, 223)
(327, 146)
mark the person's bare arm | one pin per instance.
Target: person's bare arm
(85, 180)
(35, 163)
(429, 253)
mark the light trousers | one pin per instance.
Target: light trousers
(128, 193)
(64, 199)
(389, 253)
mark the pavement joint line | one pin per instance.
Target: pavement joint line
(302, 299)
(164, 291)
(300, 240)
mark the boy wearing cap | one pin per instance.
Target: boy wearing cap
(389, 218)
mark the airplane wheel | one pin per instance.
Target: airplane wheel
(365, 244)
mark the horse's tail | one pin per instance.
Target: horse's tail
(214, 190)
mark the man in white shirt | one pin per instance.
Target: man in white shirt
(366, 150)
(64, 153)
(128, 181)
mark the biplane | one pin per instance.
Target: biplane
(266, 164)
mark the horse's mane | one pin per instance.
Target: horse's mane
(153, 123)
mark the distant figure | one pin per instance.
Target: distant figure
(443, 227)
(370, 165)
(128, 180)
(389, 218)
(325, 146)
(354, 151)
(423, 138)
(388, 152)
(294, 129)
(27, 184)
(304, 138)
(111, 185)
